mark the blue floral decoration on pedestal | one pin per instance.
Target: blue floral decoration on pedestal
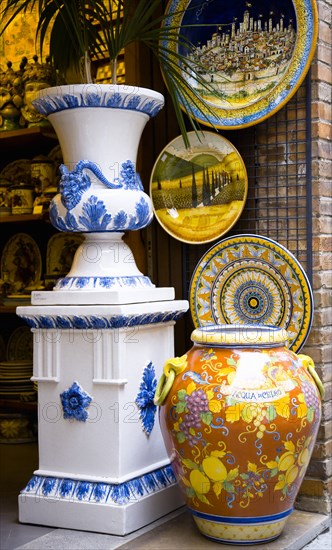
(74, 402)
(145, 396)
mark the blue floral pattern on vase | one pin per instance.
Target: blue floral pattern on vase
(120, 219)
(69, 223)
(74, 402)
(68, 212)
(143, 212)
(95, 215)
(145, 397)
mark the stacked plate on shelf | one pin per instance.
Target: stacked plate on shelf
(17, 425)
(15, 381)
(16, 369)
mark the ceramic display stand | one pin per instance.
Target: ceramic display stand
(102, 462)
(102, 335)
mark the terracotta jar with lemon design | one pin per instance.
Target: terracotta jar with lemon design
(239, 415)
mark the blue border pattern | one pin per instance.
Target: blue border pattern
(234, 520)
(48, 105)
(99, 321)
(103, 282)
(97, 492)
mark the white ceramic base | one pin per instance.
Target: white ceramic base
(112, 297)
(101, 518)
(103, 465)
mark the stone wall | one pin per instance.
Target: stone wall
(316, 490)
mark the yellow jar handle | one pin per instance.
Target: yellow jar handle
(172, 368)
(309, 365)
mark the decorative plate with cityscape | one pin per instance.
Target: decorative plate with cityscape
(252, 280)
(198, 193)
(253, 55)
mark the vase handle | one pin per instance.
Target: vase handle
(309, 365)
(172, 368)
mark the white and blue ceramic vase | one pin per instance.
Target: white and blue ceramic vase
(101, 195)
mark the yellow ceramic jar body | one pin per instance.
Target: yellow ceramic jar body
(239, 423)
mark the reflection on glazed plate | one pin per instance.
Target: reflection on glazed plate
(249, 279)
(198, 193)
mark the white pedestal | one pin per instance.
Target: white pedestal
(102, 462)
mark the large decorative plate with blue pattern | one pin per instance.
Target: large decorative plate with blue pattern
(253, 56)
(249, 279)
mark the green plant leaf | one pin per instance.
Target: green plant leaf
(81, 30)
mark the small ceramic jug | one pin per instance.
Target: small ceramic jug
(22, 198)
(239, 416)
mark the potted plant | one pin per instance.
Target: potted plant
(99, 126)
(80, 31)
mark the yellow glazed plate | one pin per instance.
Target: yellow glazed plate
(250, 279)
(253, 55)
(198, 193)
